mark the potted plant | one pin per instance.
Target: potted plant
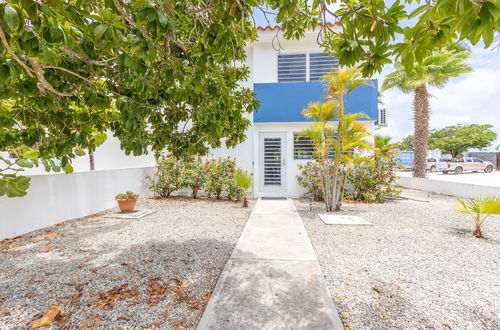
(126, 201)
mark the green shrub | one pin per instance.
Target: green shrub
(310, 178)
(220, 179)
(244, 181)
(194, 175)
(368, 182)
(372, 182)
(168, 177)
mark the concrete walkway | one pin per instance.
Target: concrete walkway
(273, 279)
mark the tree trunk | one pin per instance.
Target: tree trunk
(91, 161)
(421, 112)
(477, 232)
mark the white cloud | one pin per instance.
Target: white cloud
(473, 98)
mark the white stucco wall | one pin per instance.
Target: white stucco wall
(59, 197)
(107, 156)
(464, 190)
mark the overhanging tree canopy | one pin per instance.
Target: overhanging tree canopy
(155, 73)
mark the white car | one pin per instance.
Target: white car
(459, 165)
(432, 163)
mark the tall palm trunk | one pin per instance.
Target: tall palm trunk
(422, 112)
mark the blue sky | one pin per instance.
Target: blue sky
(472, 98)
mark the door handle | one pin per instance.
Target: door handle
(283, 161)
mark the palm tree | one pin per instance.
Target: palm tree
(244, 181)
(345, 140)
(435, 70)
(478, 206)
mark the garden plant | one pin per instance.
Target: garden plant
(479, 208)
(244, 181)
(347, 139)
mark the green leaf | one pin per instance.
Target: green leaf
(31, 154)
(24, 163)
(100, 138)
(68, 168)
(79, 152)
(11, 17)
(418, 11)
(100, 30)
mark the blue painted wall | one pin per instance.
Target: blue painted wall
(284, 102)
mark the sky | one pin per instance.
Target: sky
(472, 98)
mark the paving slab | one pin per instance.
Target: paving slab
(273, 279)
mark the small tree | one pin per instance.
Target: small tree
(346, 140)
(244, 181)
(457, 139)
(407, 143)
(479, 208)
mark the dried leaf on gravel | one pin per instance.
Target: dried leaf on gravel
(107, 300)
(4, 314)
(47, 318)
(377, 290)
(53, 234)
(345, 315)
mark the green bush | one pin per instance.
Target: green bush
(310, 178)
(368, 182)
(194, 175)
(220, 179)
(169, 176)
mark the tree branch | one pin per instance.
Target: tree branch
(14, 56)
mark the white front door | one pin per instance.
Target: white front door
(272, 164)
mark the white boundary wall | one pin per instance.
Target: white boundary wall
(53, 198)
(447, 188)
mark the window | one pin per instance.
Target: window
(320, 64)
(303, 147)
(291, 67)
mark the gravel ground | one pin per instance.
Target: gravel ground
(418, 266)
(155, 272)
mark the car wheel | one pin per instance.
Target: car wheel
(459, 170)
(433, 169)
(488, 169)
(445, 172)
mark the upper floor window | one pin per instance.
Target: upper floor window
(291, 67)
(320, 64)
(304, 67)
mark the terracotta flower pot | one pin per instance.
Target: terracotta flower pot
(126, 205)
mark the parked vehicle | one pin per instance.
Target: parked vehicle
(458, 165)
(432, 163)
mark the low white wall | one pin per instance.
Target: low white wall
(446, 187)
(54, 198)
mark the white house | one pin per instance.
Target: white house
(285, 81)
(285, 75)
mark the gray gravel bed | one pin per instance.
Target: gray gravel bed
(417, 267)
(156, 272)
